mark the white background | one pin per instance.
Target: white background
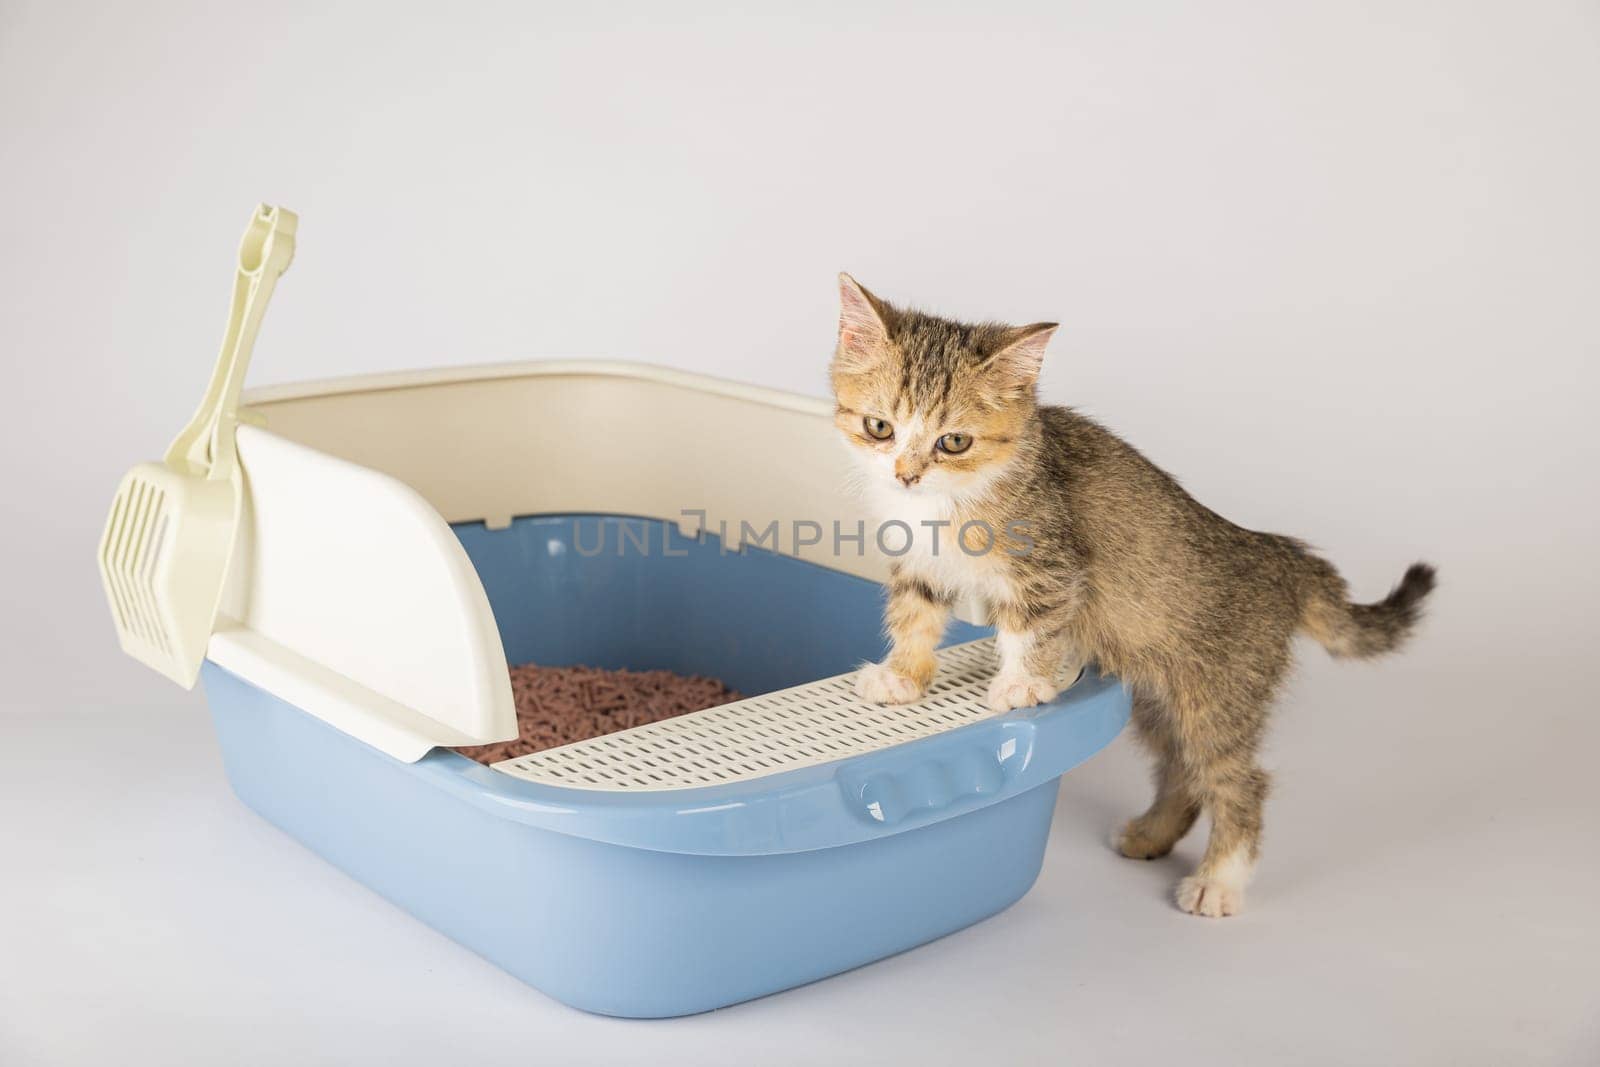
(1334, 265)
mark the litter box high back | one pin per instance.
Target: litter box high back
(169, 538)
(224, 551)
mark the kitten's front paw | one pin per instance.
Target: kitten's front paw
(1212, 897)
(879, 684)
(1009, 691)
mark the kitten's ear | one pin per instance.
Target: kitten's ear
(1021, 351)
(863, 324)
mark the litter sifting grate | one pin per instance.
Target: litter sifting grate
(782, 731)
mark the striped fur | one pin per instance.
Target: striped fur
(1123, 566)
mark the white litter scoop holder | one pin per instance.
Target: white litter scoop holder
(173, 525)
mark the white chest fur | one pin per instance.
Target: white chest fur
(926, 526)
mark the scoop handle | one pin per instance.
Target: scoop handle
(205, 445)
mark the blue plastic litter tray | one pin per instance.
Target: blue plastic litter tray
(340, 562)
(632, 897)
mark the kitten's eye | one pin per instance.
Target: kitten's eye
(954, 443)
(877, 428)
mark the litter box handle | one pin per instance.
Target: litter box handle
(205, 446)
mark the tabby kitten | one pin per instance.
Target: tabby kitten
(1083, 549)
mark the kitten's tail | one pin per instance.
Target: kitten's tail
(1358, 631)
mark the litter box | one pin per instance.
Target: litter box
(401, 537)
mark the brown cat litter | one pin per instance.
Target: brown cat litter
(559, 705)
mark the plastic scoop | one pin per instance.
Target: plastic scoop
(169, 539)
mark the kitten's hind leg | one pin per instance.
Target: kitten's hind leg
(1177, 803)
(1234, 789)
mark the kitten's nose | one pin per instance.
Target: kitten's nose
(909, 479)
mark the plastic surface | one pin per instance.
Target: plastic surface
(170, 535)
(562, 437)
(767, 734)
(361, 606)
(759, 621)
(350, 484)
(672, 902)
(618, 931)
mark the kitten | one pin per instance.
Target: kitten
(1083, 549)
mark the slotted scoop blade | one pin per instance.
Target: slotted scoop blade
(169, 538)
